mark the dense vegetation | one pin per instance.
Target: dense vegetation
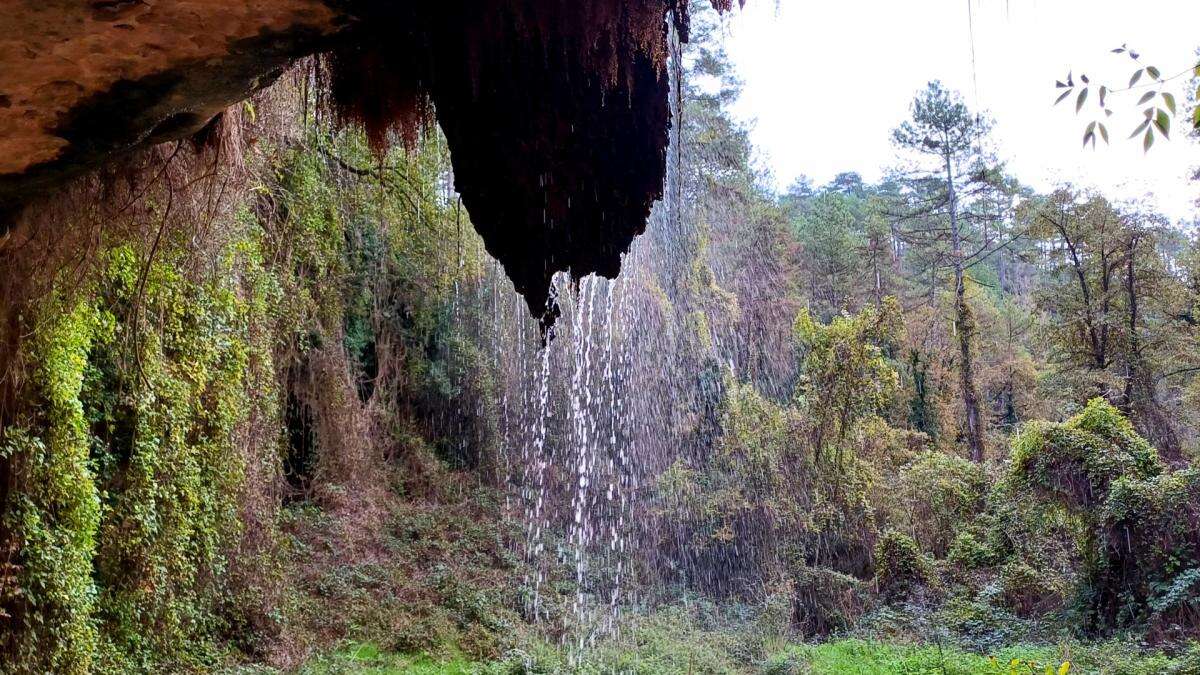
(941, 423)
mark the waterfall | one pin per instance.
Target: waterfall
(588, 416)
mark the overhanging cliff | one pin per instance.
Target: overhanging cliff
(555, 111)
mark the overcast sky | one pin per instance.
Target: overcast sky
(827, 80)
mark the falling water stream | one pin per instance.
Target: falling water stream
(588, 415)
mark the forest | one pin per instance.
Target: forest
(270, 404)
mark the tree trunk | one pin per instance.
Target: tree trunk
(1140, 395)
(964, 324)
(1002, 270)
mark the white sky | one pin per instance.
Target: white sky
(827, 80)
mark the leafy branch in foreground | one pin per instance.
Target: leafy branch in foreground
(1160, 110)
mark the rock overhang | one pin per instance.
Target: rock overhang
(555, 112)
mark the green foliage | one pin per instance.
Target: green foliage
(132, 490)
(844, 372)
(941, 124)
(1143, 539)
(1076, 462)
(163, 443)
(969, 550)
(900, 567)
(369, 659)
(1027, 590)
(146, 512)
(871, 658)
(827, 601)
(1154, 92)
(672, 640)
(56, 511)
(828, 233)
(933, 496)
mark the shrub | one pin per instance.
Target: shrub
(899, 564)
(1143, 521)
(1076, 462)
(970, 550)
(1026, 590)
(933, 497)
(827, 601)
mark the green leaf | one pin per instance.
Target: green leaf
(1137, 75)
(1062, 96)
(1196, 118)
(1103, 132)
(1140, 128)
(1089, 134)
(1147, 140)
(1152, 72)
(1147, 96)
(1163, 122)
(1103, 94)
(1170, 101)
(1082, 98)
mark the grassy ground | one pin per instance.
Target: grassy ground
(860, 657)
(369, 659)
(840, 657)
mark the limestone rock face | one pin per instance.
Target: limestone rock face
(555, 110)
